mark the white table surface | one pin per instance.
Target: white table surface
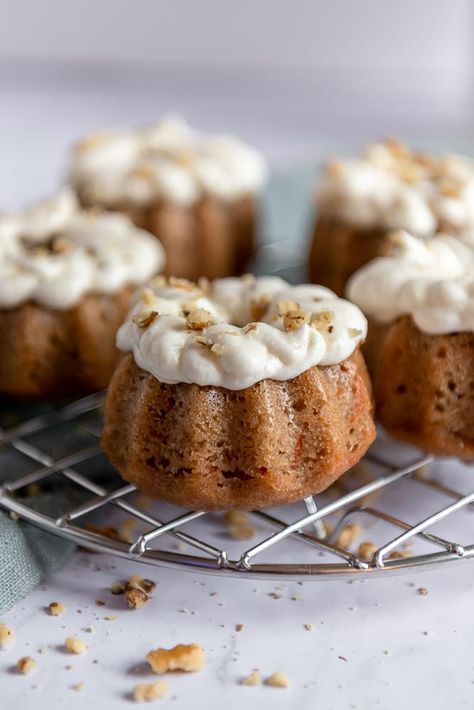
(374, 644)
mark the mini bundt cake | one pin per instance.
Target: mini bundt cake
(66, 282)
(197, 193)
(360, 201)
(239, 393)
(420, 304)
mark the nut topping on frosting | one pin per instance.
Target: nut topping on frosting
(300, 327)
(431, 279)
(392, 187)
(168, 161)
(53, 253)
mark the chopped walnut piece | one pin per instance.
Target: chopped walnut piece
(56, 609)
(399, 554)
(189, 658)
(105, 530)
(253, 679)
(181, 283)
(348, 535)
(239, 525)
(366, 551)
(26, 664)
(117, 588)
(146, 692)
(449, 188)
(78, 686)
(397, 148)
(201, 340)
(143, 320)
(75, 645)
(61, 245)
(159, 281)
(278, 680)
(239, 627)
(285, 307)
(295, 319)
(199, 319)
(335, 168)
(135, 598)
(323, 320)
(6, 635)
(147, 296)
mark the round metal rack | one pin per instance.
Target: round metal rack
(417, 518)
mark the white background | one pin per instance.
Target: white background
(302, 80)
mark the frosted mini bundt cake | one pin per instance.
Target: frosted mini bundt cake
(360, 201)
(239, 393)
(420, 303)
(197, 193)
(66, 278)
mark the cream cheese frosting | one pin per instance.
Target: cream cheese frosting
(53, 253)
(391, 187)
(431, 279)
(169, 161)
(234, 332)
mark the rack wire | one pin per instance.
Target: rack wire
(413, 508)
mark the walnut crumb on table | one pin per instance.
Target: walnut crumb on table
(56, 609)
(6, 635)
(146, 692)
(348, 535)
(183, 657)
(278, 680)
(253, 679)
(75, 645)
(366, 551)
(26, 664)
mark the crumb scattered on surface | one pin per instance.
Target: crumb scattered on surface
(239, 525)
(99, 602)
(90, 629)
(253, 678)
(26, 664)
(56, 609)
(308, 627)
(138, 590)
(239, 627)
(146, 692)
(75, 645)
(278, 680)
(366, 551)
(136, 598)
(117, 588)
(78, 686)
(422, 590)
(110, 617)
(6, 635)
(183, 657)
(348, 535)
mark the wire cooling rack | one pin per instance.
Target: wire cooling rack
(380, 518)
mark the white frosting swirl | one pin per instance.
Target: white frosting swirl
(431, 279)
(391, 187)
(298, 327)
(53, 253)
(167, 161)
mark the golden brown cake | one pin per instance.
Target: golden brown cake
(420, 349)
(211, 409)
(360, 201)
(66, 281)
(197, 193)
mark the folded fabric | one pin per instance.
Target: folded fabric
(27, 555)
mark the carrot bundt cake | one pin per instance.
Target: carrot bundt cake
(197, 193)
(360, 201)
(420, 304)
(239, 393)
(66, 278)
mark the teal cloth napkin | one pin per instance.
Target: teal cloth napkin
(27, 555)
